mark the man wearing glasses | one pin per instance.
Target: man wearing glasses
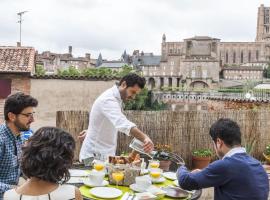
(19, 114)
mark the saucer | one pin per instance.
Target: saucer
(160, 180)
(135, 188)
(90, 184)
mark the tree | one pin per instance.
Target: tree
(267, 73)
(143, 101)
(40, 71)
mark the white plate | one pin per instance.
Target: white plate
(73, 180)
(88, 183)
(170, 175)
(176, 183)
(106, 192)
(144, 171)
(135, 188)
(78, 172)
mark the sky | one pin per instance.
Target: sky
(111, 26)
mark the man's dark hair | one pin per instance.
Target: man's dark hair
(132, 79)
(48, 155)
(226, 130)
(15, 103)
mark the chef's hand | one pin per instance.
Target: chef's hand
(148, 145)
(82, 135)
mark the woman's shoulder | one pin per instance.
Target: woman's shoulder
(64, 192)
(11, 194)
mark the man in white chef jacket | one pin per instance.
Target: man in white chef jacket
(107, 119)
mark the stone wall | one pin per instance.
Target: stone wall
(62, 95)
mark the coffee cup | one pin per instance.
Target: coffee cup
(143, 182)
(96, 178)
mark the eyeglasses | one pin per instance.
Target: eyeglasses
(28, 115)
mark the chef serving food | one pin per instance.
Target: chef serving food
(107, 119)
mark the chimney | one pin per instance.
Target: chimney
(70, 50)
(18, 44)
(88, 55)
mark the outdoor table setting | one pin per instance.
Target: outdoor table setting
(125, 181)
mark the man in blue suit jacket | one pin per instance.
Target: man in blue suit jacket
(236, 176)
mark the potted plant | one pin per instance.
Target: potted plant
(201, 158)
(162, 154)
(266, 154)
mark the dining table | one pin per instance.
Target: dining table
(85, 190)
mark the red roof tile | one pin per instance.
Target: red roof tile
(17, 59)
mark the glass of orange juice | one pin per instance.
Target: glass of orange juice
(99, 165)
(153, 164)
(155, 173)
(118, 176)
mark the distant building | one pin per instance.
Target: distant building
(197, 62)
(115, 65)
(54, 61)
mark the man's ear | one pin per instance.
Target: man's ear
(219, 142)
(11, 116)
(123, 85)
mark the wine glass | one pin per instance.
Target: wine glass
(118, 176)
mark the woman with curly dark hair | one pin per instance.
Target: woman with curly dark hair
(46, 158)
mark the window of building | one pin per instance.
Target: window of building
(5, 88)
(227, 57)
(242, 57)
(267, 29)
(170, 50)
(257, 55)
(249, 56)
(234, 57)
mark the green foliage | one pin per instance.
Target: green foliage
(71, 71)
(163, 151)
(95, 72)
(143, 101)
(249, 145)
(267, 71)
(267, 150)
(202, 153)
(231, 90)
(40, 71)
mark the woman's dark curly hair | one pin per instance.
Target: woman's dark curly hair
(48, 155)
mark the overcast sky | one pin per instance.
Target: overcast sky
(111, 26)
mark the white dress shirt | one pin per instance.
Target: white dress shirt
(233, 151)
(105, 120)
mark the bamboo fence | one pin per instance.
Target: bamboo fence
(184, 131)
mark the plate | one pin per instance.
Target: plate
(144, 171)
(176, 192)
(89, 184)
(74, 180)
(78, 172)
(106, 192)
(135, 188)
(170, 175)
(175, 183)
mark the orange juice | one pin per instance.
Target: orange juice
(99, 166)
(118, 176)
(155, 174)
(154, 165)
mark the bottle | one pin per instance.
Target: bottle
(137, 145)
